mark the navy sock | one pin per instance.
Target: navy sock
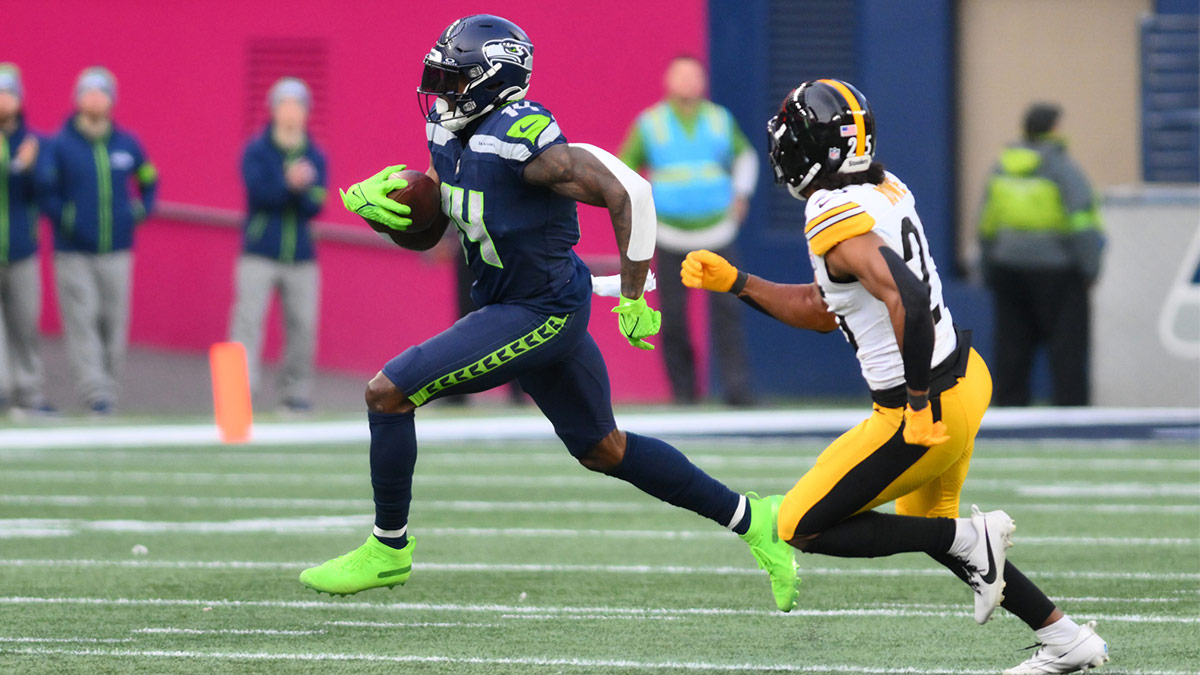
(393, 456)
(661, 471)
(872, 534)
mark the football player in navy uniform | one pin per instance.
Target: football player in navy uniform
(876, 280)
(509, 183)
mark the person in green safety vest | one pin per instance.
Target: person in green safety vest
(703, 172)
(1041, 243)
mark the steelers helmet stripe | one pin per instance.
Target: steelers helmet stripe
(856, 112)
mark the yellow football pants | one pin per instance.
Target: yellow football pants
(871, 464)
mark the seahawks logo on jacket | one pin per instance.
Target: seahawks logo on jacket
(508, 51)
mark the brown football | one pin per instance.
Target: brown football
(422, 196)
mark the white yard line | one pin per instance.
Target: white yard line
(413, 624)
(25, 639)
(490, 609)
(574, 568)
(829, 422)
(47, 527)
(224, 631)
(986, 466)
(548, 662)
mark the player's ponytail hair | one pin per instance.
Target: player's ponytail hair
(836, 181)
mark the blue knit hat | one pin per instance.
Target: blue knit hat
(289, 87)
(10, 80)
(97, 77)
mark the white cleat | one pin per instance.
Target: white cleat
(985, 562)
(1085, 652)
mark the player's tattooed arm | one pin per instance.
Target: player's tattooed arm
(578, 174)
(797, 305)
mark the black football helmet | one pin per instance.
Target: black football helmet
(490, 58)
(823, 126)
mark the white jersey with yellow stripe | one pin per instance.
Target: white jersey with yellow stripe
(888, 210)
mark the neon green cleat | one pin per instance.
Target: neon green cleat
(371, 565)
(775, 556)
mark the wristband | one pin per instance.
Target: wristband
(918, 402)
(740, 283)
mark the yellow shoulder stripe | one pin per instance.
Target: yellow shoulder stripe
(829, 214)
(835, 234)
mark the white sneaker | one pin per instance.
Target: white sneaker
(1085, 652)
(985, 562)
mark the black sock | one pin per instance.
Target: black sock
(872, 534)
(393, 457)
(661, 471)
(1024, 599)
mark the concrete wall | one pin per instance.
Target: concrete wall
(1145, 346)
(1080, 53)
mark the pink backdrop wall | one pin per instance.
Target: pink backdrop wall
(182, 78)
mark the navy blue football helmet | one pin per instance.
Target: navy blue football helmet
(822, 127)
(479, 63)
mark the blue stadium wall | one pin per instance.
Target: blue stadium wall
(902, 56)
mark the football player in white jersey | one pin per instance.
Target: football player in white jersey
(876, 280)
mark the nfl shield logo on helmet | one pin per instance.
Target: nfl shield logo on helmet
(835, 153)
(848, 130)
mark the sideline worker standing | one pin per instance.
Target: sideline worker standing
(285, 181)
(1040, 242)
(94, 212)
(703, 171)
(21, 373)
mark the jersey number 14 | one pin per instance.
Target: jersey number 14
(467, 215)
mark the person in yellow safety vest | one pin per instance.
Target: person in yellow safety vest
(703, 172)
(1041, 243)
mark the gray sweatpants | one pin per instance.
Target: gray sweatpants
(93, 298)
(21, 373)
(299, 294)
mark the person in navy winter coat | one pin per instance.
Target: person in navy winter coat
(285, 179)
(21, 372)
(90, 200)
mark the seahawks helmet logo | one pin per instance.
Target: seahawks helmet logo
(509, 51)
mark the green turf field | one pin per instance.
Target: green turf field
(526, 563)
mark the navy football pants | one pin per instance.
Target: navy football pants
(553, 357)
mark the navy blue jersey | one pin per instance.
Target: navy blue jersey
(518, 238)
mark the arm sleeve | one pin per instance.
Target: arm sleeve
(313, 199)
(265, 187)
(48, 181)
(918, 322)
(147, 177)
(745, 172)
(633, 148)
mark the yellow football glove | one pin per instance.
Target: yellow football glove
(707, 270)
(920, 429)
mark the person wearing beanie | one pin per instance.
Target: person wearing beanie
(94, 210)
(284, 173)
(1041, 243)
(21, 371)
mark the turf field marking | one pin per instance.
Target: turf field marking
(564, 611)
(225, 631)
(566, 568)
(13, 639)
(49, 527)
(413, 624)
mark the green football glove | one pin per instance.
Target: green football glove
(369, 199)
(637, 320)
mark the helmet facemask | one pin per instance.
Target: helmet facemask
(792, 166)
